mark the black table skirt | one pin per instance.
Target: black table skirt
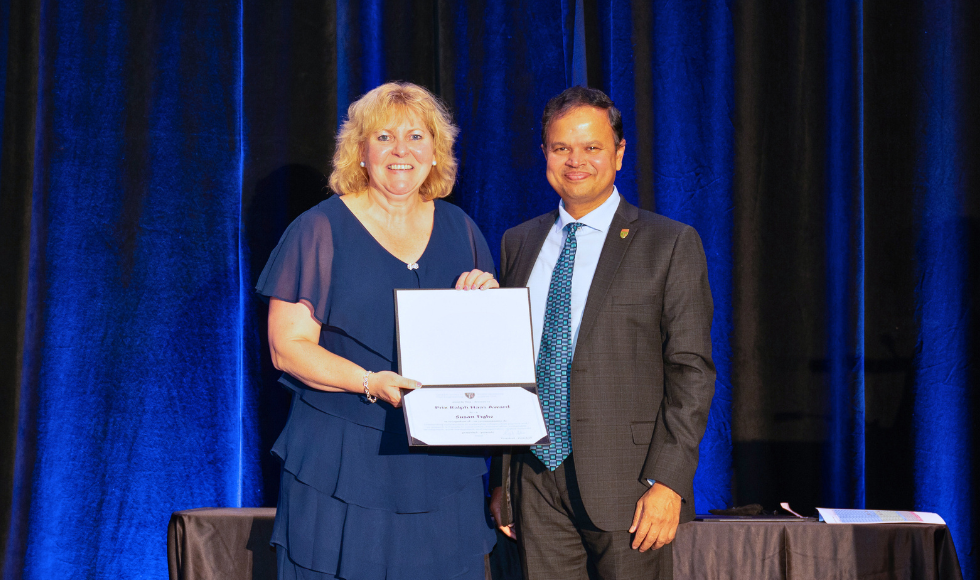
(233, 544)
(814, 550)
(221, 543)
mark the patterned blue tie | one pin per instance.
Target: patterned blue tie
(555, 357)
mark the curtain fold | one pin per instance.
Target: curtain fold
(18, 89)
(943, 452)
(497, 88)
(152, 155)
(780, 412)
(844, 455)
(921, 133)
(290, 106)
(668, 67)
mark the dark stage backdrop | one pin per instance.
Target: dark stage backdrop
(152, 153)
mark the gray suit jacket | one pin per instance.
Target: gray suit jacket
(642, 375)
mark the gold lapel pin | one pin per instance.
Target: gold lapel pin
(623, 233)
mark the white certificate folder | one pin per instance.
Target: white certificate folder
(473, 353)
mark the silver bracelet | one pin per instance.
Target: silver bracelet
(367, 392)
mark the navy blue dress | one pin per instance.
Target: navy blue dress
(355, 502)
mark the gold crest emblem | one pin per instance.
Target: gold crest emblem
(623, 233)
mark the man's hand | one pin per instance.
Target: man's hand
(658, 512)
(496, 498)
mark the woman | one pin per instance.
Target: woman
(354, 502)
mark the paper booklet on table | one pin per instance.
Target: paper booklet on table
(858, 516)
(473, 352)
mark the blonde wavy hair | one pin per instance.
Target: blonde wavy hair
(378, 109)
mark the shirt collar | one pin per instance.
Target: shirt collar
(597, 219)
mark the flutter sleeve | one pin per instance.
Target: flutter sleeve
(482, 258)
(300, 266)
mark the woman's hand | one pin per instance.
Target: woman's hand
(476, 280)
(390, 387)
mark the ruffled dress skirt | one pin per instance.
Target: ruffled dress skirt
(355, 503)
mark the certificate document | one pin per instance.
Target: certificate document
(473, 353)
(474, 416)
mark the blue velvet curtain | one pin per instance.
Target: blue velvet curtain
(669, 67)
(151, 155)
(132, 399)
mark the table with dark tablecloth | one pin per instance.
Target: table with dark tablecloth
(221, 543)
(798, 550)
(233, 544)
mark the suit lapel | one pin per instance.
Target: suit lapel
(613, 250)
(530, 248)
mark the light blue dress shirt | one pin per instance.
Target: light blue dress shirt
(590, 237)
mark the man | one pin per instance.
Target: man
(621, 312)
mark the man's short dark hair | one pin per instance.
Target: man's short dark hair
(581, 97)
